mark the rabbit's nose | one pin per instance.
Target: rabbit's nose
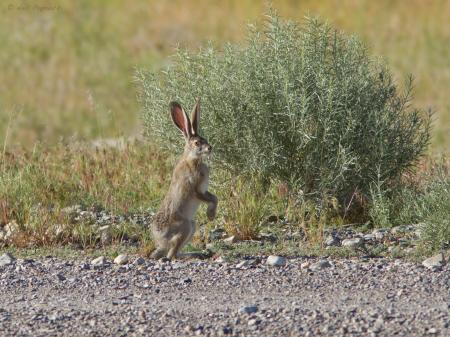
(209, 148)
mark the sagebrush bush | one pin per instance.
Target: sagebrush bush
(303, 104)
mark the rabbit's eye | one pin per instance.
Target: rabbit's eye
(196, 143)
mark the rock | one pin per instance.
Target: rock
(274, 260)
(220, 259)
(105, 234)
(216, 234)
(227, 330)
(379, 233)
(230, 240)
(105, 237)
(9, 231)
(305, 265)
(121, 259)
(369, 237)
(99, 261)
(378, 325)
(401, 230)
(60, 277)
(206, 253)
(139, 261)
(103, 228)
(6, 259)
(177, 265)
(253, 321)
(353, 243)
(321, 264)
(84, 266)
(251, 309)
(245, 263)
(267, 237)
(432, 331)
(436, 261)
(332, 241)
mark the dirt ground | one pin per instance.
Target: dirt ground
(306, 297)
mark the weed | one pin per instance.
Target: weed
(244, 207)
(421, 198)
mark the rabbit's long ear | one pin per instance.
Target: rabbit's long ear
(181, 119)
(195, 117)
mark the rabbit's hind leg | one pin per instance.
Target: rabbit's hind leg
(180, 239)
(177, 242)
(190, 233)
(158, 253)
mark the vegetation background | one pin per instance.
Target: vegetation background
(67, 66)
(67, 76)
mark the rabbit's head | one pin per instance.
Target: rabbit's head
(196, 147)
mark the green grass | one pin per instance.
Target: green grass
(229, 253)
(66, 252)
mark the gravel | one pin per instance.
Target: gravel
(356, 297)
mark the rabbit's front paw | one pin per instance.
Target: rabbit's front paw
(211, 211)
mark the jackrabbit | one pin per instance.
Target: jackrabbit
(174, 224)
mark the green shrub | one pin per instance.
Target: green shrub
(379, 208)
(423, 198)
(427, 204)
(303, 104)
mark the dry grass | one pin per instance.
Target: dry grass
(36, 185)
(67, 70)
(112, 178)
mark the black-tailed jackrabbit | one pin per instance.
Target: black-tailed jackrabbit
(174, 225)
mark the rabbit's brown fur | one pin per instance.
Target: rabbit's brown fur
(174, 224)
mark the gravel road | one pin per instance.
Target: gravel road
(306, 297)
